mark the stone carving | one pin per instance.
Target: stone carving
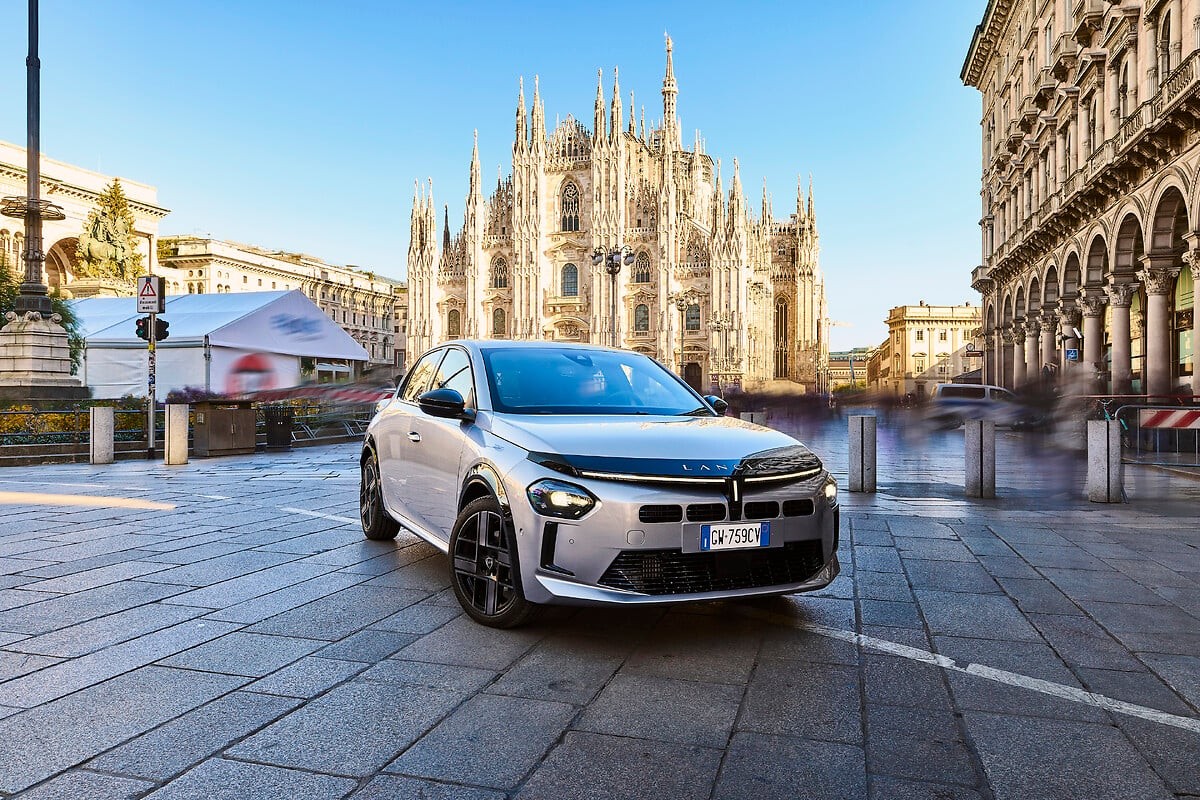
(1068, 313)
(1120, 295)
(1158, 281)
(1192, 259)
(107, 246)
(1092, 302)
(1049, 320)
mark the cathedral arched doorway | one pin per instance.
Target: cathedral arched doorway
(781, 339)
(692, 375)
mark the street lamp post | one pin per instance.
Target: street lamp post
(681, 302)
(612, 261)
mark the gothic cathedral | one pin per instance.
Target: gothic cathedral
(727, 300)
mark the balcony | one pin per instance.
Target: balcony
(1064, 57)
(1044, 88)
(1089, 17)
(1029, 115)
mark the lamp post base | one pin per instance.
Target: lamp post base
(35, 359)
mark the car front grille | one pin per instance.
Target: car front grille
(660, 514)
(706, 512)
(762, 509)
(797, 508)
(666, 572)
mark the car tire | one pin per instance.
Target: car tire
(484, 570)
(377, 524)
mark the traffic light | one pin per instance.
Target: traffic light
(160, 329)
(143, 328)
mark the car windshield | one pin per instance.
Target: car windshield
(545, 380)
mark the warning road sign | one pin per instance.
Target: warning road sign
(150, 294)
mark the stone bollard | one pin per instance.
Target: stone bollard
(175, 444)
(100, 447)
(1105, 472)
(862, 454)
(979, 436)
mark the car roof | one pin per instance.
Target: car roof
(510, 344)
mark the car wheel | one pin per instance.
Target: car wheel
(483, 566)
(376, 523)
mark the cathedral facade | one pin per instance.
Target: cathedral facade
(726, 299)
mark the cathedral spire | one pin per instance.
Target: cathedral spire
(643, 123)
(669, 91)
(598, 129)
(812, 214)
(614, 129)
(718, 202)
(766, 202)
(800, 198)
(632, 114)
(521, 137)
(476, 181)
(538, 134)
(446, 231)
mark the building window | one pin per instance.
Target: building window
(1124, 97)
(1164, 48)
(245, 279)
(918, 365)
(570, 206)
(920, 336)
(498, 327)
(941, 336)
(499, 273)
(691, 318)
(641, 318)
(641, 268)
(453, 324)
(570, 281)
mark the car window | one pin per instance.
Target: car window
(1003, 396)
(419, 377)
(950, 391)
(545, 380)
(455, 373)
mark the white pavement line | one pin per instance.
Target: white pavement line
(1058, 690)
(306, 513)
(214, 497)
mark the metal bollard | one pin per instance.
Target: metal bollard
(175, 446)
(1105, 472)
(979, 435)
(862, 454)
(101, 427)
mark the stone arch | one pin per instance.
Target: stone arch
(1006, 309)
(1050, 287)
(1034, 294)
(1170, 223)
(1071, 278)
(1097, 263)
(1019, 302)
(61, 263)
(1128, 246)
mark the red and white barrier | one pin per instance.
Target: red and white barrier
(1188, 418)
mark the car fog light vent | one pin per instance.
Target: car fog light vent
(660, 514)
(797, 508)
(652, 568)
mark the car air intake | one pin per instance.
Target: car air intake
(797, 508)
(660, 514)
(706, 512)
(762, 509)
(666, 572)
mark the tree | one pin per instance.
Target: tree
(108, 244)
(10, 288)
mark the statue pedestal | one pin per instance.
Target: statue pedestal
(35, 360)
(100, 287)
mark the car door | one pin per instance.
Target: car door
(396, 439)
(441, 445)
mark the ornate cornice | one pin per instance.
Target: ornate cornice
(983, 43)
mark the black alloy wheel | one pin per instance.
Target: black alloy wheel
(376, 523)
(483, 566)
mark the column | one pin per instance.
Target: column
(1192, 259)
(1068, 323)
(1091, 304)
(1018, 350)
(1159, 279)
(989, 360)
(1050, 331)
(1120, 295)
(1004, 370)
(1033, 365)
(1112, 102)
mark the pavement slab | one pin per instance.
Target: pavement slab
(223, 779)
(780, 768)
(652, 707)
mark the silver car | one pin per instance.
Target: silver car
(562, 473)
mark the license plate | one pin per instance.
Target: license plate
(735, 537)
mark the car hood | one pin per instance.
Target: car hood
(655, 446)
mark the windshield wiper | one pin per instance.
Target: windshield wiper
(702, 411)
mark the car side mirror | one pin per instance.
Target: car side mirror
(445, 403)
(719, 405)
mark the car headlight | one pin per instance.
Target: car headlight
(831, 491)
(553, 498)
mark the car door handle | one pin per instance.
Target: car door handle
(413, 436)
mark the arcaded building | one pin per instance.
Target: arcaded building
(1091, 163)
(726, 297)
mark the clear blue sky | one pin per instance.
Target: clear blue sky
(302, 125)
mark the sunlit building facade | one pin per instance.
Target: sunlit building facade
(725, 297)
(1091, 163)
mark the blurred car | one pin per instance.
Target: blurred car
(952, 403)
(560, 473)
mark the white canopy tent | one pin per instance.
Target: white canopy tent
(223, 343)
